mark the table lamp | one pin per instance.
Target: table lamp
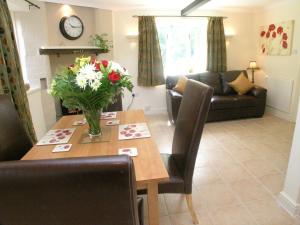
(253, 66)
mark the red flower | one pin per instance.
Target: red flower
(262, 34)
(104, 63)
(97, 66)
(268, 34)
(279, 30)
(114, 77)
(284, 36)
(274, 34)
(71, 66)
(272, 27)
(285, 44)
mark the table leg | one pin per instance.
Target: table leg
(153, 212)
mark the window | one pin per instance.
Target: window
(183, 45)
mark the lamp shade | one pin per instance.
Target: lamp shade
(252, 65)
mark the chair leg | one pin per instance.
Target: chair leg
(189, 202)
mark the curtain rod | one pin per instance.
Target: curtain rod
(136, 16)
(32, 4)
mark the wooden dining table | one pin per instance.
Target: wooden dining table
(149, 168)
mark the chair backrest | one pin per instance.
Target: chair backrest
(116, 105)
(189, 126)
(76, 191)
(14, 141)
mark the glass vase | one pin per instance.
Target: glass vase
(93, 120)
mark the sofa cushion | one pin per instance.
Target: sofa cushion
(213, 80)
(181, 83)
(228, 77)
(223, 102)
(241, 84)
(171, 81)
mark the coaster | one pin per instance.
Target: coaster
(128, 151)
(62, 148)
(112, 122)
(104, 137)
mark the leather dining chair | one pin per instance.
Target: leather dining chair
(116, 106)
(73, 191)
(14, 141)
(188, 131)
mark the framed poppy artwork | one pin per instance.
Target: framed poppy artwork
(277, 39)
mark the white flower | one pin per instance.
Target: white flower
(81, 81)
(88, 76)
(87, 69)
(116, 66)
(95, 85)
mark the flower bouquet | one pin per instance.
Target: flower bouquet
(90, 85)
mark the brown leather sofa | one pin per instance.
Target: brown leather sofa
(226, 104)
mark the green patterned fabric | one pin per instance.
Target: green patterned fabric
(150, 60)
(11, 80)
(216, 45)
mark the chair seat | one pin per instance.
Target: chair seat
(175, 184)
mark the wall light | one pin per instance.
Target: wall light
(132, 36)
(67, 10)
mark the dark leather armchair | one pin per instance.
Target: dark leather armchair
(188, 131)
(14, 141)
(77, 191)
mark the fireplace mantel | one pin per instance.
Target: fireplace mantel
(58, 50)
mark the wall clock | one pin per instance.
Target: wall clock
(71, 27)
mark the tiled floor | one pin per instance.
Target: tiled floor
(239, 172)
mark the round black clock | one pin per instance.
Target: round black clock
(71, 27)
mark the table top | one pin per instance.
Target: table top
(148, 164)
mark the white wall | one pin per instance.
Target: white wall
(240, 51)
(285, 68)
(290, 196)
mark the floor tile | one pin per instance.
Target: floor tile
(186, 219)
(248, 190)
(260, 168)
(267, 212)
(236, 215)
(274, 182)
(213, 196)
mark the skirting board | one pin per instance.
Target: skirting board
(289, 205)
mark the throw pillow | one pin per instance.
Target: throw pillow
(181, 83)
(241, 84)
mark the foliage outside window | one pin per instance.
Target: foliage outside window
(183, 45)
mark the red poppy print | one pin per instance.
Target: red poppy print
(284, 44)
(274, 34)
(263, 33)
(279, 30)
(268, 34)
(272, 27)
(284, 36)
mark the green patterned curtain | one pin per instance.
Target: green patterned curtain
(11, 80)
(216, 45)
(150, 60)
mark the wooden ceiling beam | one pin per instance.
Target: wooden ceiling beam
(193, 6)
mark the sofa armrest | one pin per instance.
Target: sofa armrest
(258, 92)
